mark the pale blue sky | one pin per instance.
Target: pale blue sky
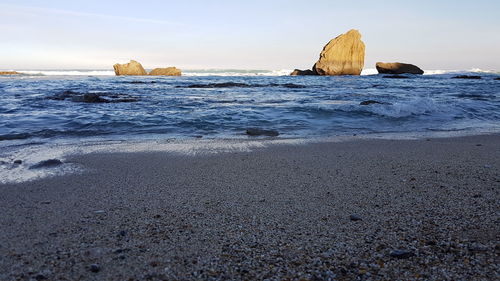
(245, 34)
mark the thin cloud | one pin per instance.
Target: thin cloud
(93, 15)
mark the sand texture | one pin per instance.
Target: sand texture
(356, 210)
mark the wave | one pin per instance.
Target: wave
(233, 72)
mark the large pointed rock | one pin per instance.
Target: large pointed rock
(397, 68)
(344, 55)
(131, 68)
(168, 71)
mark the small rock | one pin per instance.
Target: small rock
(467, 77)
(355, 218)
(260, 132)
(498, 79)
(368, 102)
(122, 233)
(94, 268)
(479, 144)
(47, 164)
(401, 254)
(18, 161)
(476, 195)
(40, 277)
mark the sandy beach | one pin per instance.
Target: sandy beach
(363, 209)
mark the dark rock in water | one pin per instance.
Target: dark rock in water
(395, 76)
(498, 79)
(368, 102)
(18, 161)
(219, 85)
(401, 254)
(298, 72)
(141, 82)
(93, 98)
(94, 268)
(47, 163)
(355, 218)
(397, 68)
(467, 77)
(288, 85)
(260, 132)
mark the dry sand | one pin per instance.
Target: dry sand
(313, 212)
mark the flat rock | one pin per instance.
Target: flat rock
(397, 68)
(368, 102)
(344, 55)
(9, 73)
(261, 132)
(395, 76)
(131, 68)
(47, 164)
(168, 71)
(467, 77)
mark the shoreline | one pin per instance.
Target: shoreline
(381, 209)
(34, 151)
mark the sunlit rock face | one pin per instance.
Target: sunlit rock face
(397, 68)
(131, 68)
(344, 55)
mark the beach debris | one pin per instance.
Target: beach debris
(395, 76)
(131, 68)
(467, 77)
(261, 132)
(167, 71)
(355, 218)
(94, 268)
(368, 102)
(401, 254)
(46, 164)
(397, 68)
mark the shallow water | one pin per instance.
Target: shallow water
(54, 117)
(41, 108)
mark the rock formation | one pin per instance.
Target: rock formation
(169, 71)
(131, 68)
(397, 68)
(297, 72)
(9, 72)
(344, 55)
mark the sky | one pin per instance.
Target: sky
(279, 34)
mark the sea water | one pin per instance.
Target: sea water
(73, 107)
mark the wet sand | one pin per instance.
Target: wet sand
(368, 209)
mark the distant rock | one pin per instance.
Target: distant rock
(498, 79)
(9, 73)
(131, 68)
(47, 163)
(467, 77)
(397, 68)
(93, 97)
(260, 132)
(395, 76)
(169, 71)
(344, 55)
(298, 72)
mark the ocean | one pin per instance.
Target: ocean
(72, 108)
